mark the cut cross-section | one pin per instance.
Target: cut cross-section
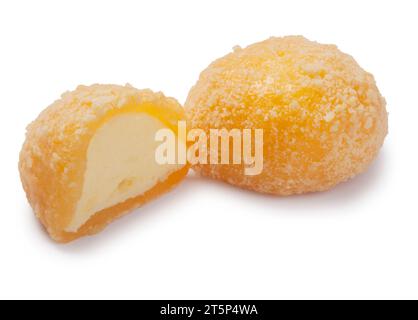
(90, 157)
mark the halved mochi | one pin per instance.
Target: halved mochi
(90, 157)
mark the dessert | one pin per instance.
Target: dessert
(89, 157)
(322, 116)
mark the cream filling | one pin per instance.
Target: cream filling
(120, 165)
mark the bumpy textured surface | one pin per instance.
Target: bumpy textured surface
(53, 157)
(323, 117)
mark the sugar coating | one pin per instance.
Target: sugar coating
(323, 117)
(53, 157)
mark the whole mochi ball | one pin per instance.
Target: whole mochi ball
(323, 118)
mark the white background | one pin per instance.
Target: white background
(207, 239)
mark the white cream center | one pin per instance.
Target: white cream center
(120, 165)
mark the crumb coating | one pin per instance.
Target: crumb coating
(323, 117)
(53, 157)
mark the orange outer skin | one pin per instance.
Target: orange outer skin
(323, 117)
(53, 157)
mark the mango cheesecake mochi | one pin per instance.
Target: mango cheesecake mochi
(322, 115)
(89, 158)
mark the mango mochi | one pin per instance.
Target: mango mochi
(89, 158)
(324, 120)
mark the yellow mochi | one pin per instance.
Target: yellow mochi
(324, 120)
(90, 157)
